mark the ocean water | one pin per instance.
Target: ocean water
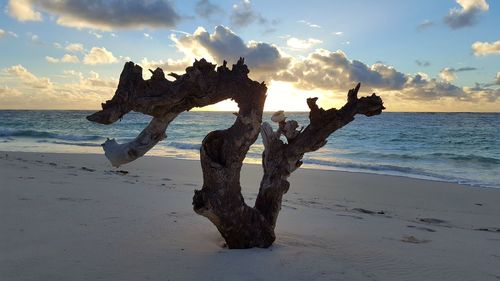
(453, 147)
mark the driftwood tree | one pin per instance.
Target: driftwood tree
(223, 151)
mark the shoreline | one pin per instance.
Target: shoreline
(305, 166)
(74, 217)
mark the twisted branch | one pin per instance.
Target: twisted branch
(223, 151)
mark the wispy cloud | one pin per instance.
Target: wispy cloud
(35, 39)
(296, 43)
(425, 25)
(206, 9)
(95, 34)
(74, 47)
(243, 14)
(423, 63)
(67, 58)
(309, 24)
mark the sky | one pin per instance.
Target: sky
(427, 55)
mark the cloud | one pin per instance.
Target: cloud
(74, 47)
(99, 14)
(67, 58)
(23, 89)
(333, 70)
(13, 34)
(99, 56)
(223, 44)
(51, 59)
(338, 33)
(27, 78)
(22, 10)
(147, 36)
(320, 70)
(243, 15)
(497, 78)
(297, 43)
(486, 93)
(95, 34)
(168, 66)
(420, 87)
(425, 25)
(70, 59)
(423, 63)
(310, 24)
(94, 80)
(35, 39)
(467, 15)
(485, 48)
(4, 33)
(207, 9)
(449, 74)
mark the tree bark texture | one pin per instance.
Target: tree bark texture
(222, 152)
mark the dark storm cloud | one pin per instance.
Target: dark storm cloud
(110, 14)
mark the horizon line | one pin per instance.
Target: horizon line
(232, 111)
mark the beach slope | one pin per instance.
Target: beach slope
(73, 217)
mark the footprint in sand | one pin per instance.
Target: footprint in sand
(421, 228)
(74, 199)
(489, 229)
(414, 240)
(286, 206)
(88, 169)
(365, 211)
(351, 216)
(119, 172)
(432, 220)
(370, 212)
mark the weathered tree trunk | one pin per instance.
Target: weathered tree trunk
(222, 152)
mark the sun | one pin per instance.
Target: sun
(281, 96)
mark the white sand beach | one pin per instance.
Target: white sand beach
(74, 217)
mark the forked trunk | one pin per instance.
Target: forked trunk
(222, 152)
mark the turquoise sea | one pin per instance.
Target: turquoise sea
(453, 147)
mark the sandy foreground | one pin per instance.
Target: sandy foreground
(73, 217)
